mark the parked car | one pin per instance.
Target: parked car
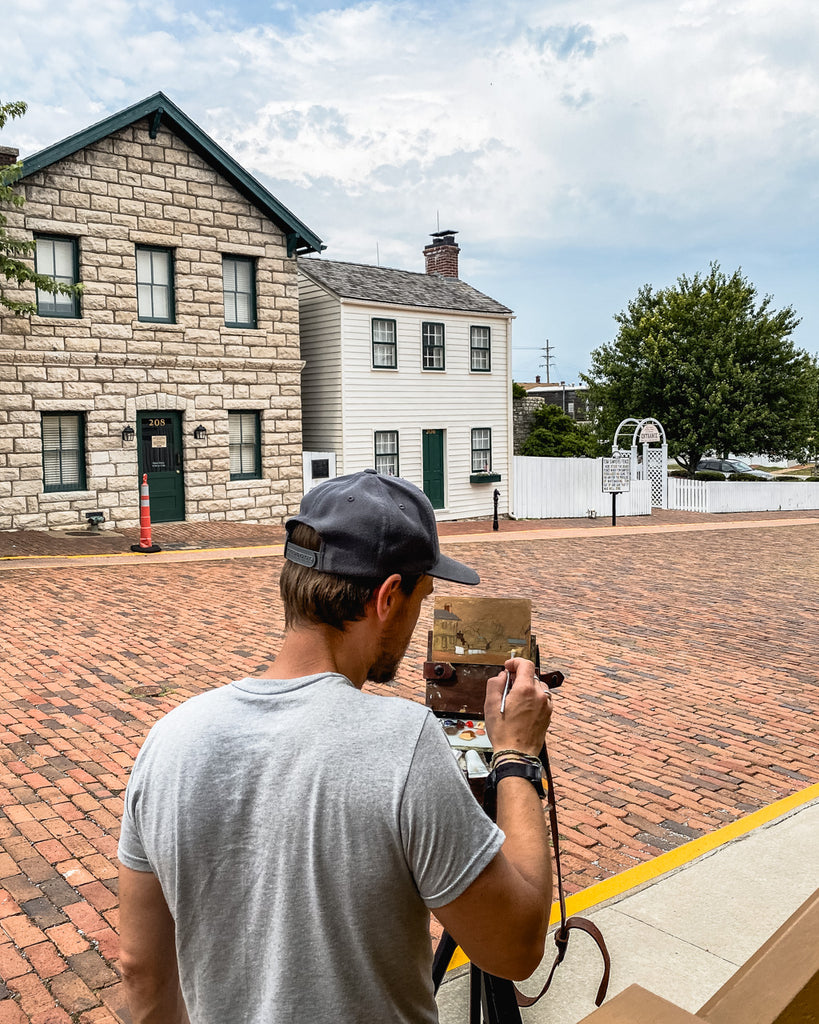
(729, 466)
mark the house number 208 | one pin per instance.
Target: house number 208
(156, 423)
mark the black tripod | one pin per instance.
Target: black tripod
(491, 1000)
(494, 1000)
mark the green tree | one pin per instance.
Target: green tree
(714, 365)
(556, 435)
(14, 265)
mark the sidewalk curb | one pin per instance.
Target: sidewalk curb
(633, 879)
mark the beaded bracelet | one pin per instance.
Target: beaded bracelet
(512, 755)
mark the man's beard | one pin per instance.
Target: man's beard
(384, 669)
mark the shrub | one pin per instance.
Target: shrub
(744, 476)
(706, 474)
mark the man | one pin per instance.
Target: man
(285, 837)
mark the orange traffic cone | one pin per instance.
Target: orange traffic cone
(145, 545)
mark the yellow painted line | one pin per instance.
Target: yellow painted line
(665, 862)
(152, 558)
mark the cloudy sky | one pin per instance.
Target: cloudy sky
(580, 150)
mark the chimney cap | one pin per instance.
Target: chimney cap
(8, 156)
(442, 237)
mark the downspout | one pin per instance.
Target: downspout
(510, 423)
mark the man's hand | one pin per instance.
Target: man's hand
(527, 711)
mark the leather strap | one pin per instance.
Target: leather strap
(566, 925)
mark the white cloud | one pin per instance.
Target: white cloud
(616, 123)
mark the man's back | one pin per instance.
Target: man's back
(300, 829)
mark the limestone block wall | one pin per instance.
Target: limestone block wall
(123, 191)
(523, 416)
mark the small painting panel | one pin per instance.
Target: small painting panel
(481, 630)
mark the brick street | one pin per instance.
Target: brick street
(691, 665)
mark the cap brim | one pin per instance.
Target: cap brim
(456, 572)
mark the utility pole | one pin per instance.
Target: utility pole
(547, 360)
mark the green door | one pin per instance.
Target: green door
(433, 453)
(160, 456)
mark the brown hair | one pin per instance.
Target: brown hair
(323, 598)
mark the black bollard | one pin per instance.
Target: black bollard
(495, 497)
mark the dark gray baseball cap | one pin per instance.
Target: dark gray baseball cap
(372, 526)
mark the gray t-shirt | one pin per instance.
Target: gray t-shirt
(300, 830)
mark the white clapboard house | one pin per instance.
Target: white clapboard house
(409, 373)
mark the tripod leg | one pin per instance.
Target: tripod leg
(440, 961)
(475, 994)
(500, 1003)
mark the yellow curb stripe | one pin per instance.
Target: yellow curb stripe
(652, 869)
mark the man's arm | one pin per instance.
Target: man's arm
(501, 920)
(148, 951)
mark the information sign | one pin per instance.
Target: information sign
(616, 475)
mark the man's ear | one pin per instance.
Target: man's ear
(385, 598)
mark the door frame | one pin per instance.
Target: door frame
(428, 484)
(175, 416)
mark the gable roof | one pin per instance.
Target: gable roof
(398, 287)
(161, 110)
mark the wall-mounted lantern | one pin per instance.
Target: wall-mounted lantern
(128, 433)
(200, 434)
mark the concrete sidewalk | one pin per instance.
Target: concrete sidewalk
(681, 935)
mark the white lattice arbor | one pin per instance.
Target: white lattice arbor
(645, 441)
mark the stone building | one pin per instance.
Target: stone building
(179, 359)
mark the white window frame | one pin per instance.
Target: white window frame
(386, 449)
(433, 346)
(383, 346)
(480, 353)
(481, 453)
(152, 292)
(53, 253)
(244, 444)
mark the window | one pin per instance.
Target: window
(154, 272)
(239, 285)
(482, 450)
(63, 452)
(386, 452)
(480, 355)
(57, 258)
(245, 447)
(432, 340)
(385, 353)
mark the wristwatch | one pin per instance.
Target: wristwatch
(521, 770)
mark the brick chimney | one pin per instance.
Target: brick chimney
(8, 156)
(441, 254)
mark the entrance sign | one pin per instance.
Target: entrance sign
(616, 474)
(650, 434)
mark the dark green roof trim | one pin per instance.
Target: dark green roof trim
(300, 239)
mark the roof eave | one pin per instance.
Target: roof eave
(300, 239)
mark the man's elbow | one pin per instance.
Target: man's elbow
(521, 952)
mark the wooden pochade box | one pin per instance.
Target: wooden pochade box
(471, 639)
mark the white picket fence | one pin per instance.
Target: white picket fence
(570, 489)
(741, 495)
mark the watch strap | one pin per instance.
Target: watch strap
(518, 769)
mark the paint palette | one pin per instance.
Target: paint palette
(466, 733)
(470, 745)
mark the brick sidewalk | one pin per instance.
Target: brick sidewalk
(189, 536)
(691, 671)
